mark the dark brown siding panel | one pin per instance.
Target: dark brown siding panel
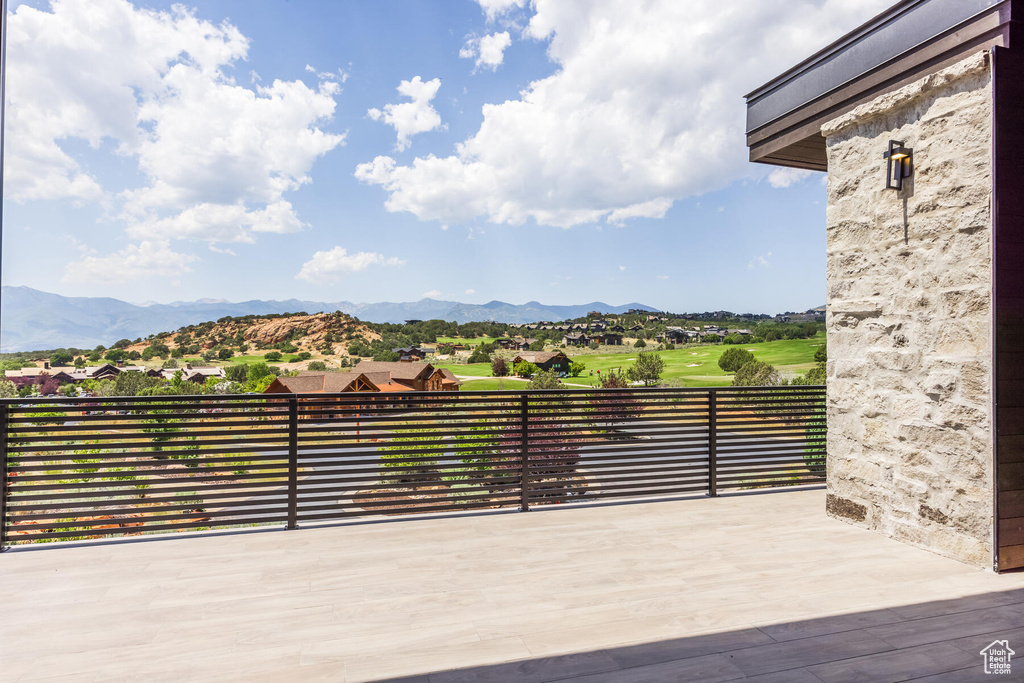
(1011, 531)
(1011, 478)
(1010, 393)
(1012, 450)
(1011, 365)
(1008, 303)
(1011, 557)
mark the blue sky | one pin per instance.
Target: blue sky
(518, 150)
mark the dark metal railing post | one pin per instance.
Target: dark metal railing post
(293, 463)
(712, 443)
(524, 461)
(4, 417)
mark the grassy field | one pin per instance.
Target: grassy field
(468, 341)
(493, 384)
(474, 370)
(693, 367)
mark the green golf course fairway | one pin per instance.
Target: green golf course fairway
(695, 366)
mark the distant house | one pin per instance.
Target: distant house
(105, 371)
(69, 375)
(608, 339)
(415, 376)
(580, 339)
(322, 383)
(505, 343)
(673, 335)
(197, 374)
(36, 375)
(636, 328)
(445, 380)
(523, 344)
(545, 360)
(410, 354)
(374, 378)
(616, 328)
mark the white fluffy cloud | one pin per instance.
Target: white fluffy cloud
(488, 50)
(214, 158)
(432, 294)
(329, 266)
(762, 260)
(134, 262)
(410, 118)
(497, 8)
(645, 108)
(784, 177)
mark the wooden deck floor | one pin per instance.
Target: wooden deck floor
(749, 587)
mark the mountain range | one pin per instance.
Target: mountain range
(31, 319)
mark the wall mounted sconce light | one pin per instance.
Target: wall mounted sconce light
(899, 164)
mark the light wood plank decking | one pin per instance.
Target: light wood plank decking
(758, 587)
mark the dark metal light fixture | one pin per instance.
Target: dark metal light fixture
(899, 164)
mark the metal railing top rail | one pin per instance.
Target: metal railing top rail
(423, 396)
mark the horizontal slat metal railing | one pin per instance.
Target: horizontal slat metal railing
(86, 468)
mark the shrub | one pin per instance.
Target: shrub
(499, 367)
(816, 375)
(225, 354)
(60, 357)
(814, 455)
(756, 373)
(410, 443)
(734, 359)
(611, 407)
(647, 368)
(317, 366)
(552, 452)
(272, 356)
(237, 373)
(545, 379)
(640, 344)
(821, 355)
(576, 368)
(525, 369)
(480, 355)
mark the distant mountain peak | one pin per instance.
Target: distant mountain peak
(35, 320)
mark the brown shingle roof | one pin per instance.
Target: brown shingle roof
(448, 377)
(317, 382)
(400, 371)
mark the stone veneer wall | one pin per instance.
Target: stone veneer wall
(909, 324)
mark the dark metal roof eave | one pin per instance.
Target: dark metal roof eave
(833, 48)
